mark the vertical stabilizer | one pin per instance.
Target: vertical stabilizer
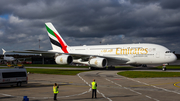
(57, 41)
(3, 51)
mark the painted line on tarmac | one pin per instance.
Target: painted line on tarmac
(90, 88)
(131, 90)
(57, 97)
(175, 84)
(143, 85)
(6, 95)
(47, 97)
(151, 85)
(154, 86)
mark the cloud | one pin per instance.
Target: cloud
(14, 20)
(90, 22)
(1, 33)
(170, 4)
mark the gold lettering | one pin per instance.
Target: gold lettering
(128, 51)
(146, 51)
(141, 50)
(138, 50)
(134, 52)
(131, 51)
(124, 51)
(110, 50)
(117, 49)
(120, 51)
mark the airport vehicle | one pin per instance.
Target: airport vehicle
(100, 56)
(16, 76)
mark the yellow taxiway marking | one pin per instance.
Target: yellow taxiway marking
(175, 84)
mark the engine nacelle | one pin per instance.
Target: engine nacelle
(98, 62)
(63, 59)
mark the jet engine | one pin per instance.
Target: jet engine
(63, 59)
(98, 62)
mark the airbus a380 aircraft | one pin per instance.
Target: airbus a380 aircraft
(100, 56)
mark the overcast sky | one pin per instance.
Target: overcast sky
(89, 22)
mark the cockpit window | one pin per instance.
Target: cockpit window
(168, 52)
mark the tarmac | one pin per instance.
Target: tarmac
(111, 87)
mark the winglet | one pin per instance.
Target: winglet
(3, 51)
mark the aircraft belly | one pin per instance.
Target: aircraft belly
(143, 60)
(115, 62)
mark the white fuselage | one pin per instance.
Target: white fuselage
(9, 58)
(136, 53)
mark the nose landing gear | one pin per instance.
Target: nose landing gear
(164, 67)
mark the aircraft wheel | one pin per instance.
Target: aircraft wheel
(91, 68)
(144, 65)
(164, 68)
(111, 67)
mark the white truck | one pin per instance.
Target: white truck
(16, 76)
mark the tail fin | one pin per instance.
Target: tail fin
(3, 51)
(57, 41)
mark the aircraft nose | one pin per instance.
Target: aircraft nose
(173, 57)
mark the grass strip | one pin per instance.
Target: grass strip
(169, 67)
(54, 71)
(50, 65)
(53, 65)
(148, 74)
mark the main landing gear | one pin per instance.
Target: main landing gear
(111, 67)
(96, 68)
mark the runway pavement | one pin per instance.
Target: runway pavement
(111, 87)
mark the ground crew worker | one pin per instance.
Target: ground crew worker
(55, 90)
(94, 87)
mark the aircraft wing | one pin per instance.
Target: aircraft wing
(44, 53)
(50, 53)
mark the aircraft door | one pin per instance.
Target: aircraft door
(87, 50)
(157, 54)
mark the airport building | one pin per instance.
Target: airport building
(42, 60)
(31, 59)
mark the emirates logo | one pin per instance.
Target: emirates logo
(96, 63)
(61, 60)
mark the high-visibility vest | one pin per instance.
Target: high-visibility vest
(55, 89)
(93, 85)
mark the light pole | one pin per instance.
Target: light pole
(39, 44)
